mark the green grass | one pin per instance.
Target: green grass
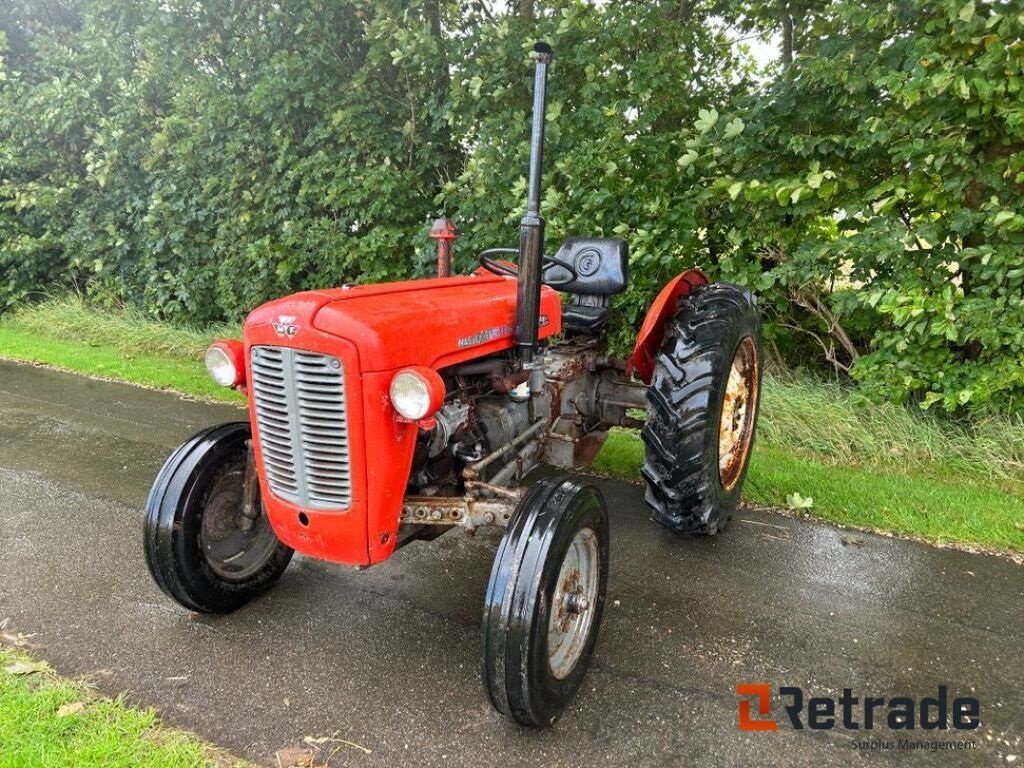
(118, 344)
(948, 510)
(816, 418)
(51, 722)
(878, 466)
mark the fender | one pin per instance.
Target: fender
(652, 332)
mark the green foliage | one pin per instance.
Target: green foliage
(872, 193)
(627, 76)
(195, 159)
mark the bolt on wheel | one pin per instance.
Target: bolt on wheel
(572, 609)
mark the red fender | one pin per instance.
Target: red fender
(648, 341)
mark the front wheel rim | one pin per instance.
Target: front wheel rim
(234, 548)
(574, 603)
(739, 407)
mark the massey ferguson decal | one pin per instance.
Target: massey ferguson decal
(494, 333)
(489, 335)
(285, 326)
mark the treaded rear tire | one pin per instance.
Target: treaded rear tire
(685, 489)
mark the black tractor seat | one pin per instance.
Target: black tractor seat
(602, 270)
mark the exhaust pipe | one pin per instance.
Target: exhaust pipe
(531, 227)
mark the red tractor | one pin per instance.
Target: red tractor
(383, 414)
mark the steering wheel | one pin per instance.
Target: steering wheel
(500, 267)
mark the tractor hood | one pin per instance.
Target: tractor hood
(436, 322)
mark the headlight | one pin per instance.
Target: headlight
(417, 393)
(225, 362)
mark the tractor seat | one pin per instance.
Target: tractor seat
(602, 270)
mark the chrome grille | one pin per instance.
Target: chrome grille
(302, 426)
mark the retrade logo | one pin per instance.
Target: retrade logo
(855, 712)
(762, 692)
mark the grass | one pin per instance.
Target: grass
(816, 418)
(120, 344)
(879, 466)
(52, 722)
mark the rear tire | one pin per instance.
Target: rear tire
(544, 600)
(704, 398)
(197, 548)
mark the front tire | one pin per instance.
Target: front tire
(704, 399)
(200, 549)
(545, 600)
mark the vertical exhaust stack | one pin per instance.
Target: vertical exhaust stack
(531, 227)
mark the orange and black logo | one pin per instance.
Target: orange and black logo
(853, 712)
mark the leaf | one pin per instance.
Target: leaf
(25, 667)
(734, 189)
(320, 740)
(706, 119)
(1002, 217)
(796, 501)
(967, 11)
(733, 128)
(295, 757)
(72, 708)
(688, 158)
(883, 205)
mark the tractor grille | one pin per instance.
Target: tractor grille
(302, 424)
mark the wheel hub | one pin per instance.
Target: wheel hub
(573, 603)
(736, 425)
(234, 546)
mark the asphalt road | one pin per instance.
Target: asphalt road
(388, 658)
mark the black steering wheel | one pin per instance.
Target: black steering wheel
(491, 264)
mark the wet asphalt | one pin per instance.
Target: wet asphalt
(388, 658)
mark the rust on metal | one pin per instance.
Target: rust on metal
(573, 603)
(444, 232)
(467, 511)
(739, 406)
(250, 490)
(587, 448)
(515, 494)
(505, 384)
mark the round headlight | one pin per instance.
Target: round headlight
(416, 393)
(222, 365)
